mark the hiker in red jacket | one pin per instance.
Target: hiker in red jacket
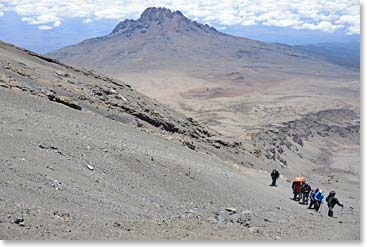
(297, 188)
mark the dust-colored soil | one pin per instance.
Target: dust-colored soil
(84, 156)
(142, 187)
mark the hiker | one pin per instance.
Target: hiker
(297, 188)
(306, 189)
(331, 201)
(312, 198)
(319, 198)
(274, 176)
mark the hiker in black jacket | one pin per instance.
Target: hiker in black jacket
(306, 189)
(274, 176)
(331, 201)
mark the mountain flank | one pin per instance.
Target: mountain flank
(170, 132)
(205, 74)
(84, 156)
(162, 39)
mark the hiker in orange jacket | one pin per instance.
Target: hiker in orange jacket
(297, 188)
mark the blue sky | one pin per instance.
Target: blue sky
(46, 25)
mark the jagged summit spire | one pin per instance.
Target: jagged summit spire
(162, 17)
(153, 13)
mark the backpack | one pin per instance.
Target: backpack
(274, 174)
(306, 188)
(330, 196)
(319, 196)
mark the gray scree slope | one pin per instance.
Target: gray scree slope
(85, 156)
(74, 172)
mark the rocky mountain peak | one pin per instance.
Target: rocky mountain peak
(163, 18)
(159, 13)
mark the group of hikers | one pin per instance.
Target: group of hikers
(303, 192)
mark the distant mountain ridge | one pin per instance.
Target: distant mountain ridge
(344, 54)
(162, 39)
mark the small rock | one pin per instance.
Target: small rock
(62, 215)
(19, 222)
(216, 145)
(116, 224)
(61, 73)
(231, 210)
(57, 185)
(109, 91)
(42, 146)
(50, 167)
(267, 220)
(90, 167)
(340, 222)
(122, 97)
(65, 101)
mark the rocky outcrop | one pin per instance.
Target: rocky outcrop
(83, 89)
(65, 101)
(290, 136)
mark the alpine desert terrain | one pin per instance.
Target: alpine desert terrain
(234, 85)
(84, 156)
(169, 129)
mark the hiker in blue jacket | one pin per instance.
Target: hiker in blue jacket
(319, 198)
(312, 198)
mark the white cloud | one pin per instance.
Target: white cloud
(57, 23)
(2, 7)
(44, 27)
(353, 30)
(324, 15)
(87, 21)
(324, 26)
